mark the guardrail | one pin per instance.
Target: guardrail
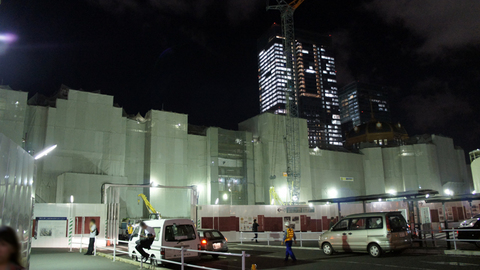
(278, 236)
(182, 262)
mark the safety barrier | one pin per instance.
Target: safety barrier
(278, 236)
(182, 250)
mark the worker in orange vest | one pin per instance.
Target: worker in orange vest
(289, 237)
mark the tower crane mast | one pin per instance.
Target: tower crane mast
(292, 136)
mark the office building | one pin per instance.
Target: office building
(315, 83)
(358, 99)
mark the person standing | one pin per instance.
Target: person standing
(93, 234)
(145, 242)
(289, 237)
(332, 222)
(9, 249)
(255, 229)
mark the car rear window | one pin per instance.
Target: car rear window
(397, 223)
(176, 233)
(216, 235)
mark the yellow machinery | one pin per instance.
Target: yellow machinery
(154, 214)
(274, 198)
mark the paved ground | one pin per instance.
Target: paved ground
(272, 258)
(61, 259)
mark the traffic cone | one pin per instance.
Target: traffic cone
(254, 267)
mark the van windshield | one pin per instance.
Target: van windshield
(177, 233)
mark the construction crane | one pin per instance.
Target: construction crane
(292, 137)
(154, 214)
(274, 198)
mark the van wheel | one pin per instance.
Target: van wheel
(327, 249)
(374, 250)
(215, 256)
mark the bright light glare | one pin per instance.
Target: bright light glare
(45, 152)
(272, 202)
(448, 191)
(332, 193)
(8, 38)
(310, 205)
(216, 201)
(71, 198)
(225, 196)
(392, 192)
(474, 192)
(428, 195)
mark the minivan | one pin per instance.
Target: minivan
(176, 233)
(374, 233)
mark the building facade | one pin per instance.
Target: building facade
(99, 144)
(359, 102)
(315, 82)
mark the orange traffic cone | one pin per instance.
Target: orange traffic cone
(254, 267)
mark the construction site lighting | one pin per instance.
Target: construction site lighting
(225, 196)
(332, 193)
(216, 201)
(71, 198)
(45, 152)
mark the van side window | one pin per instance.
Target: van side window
(341, 226)
(357, 224)
(375, 223)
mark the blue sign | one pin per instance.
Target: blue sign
(51, 218)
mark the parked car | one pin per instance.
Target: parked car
(169, 233)
(465, 233)
(469, 222)
(374, 233)
(212, 240)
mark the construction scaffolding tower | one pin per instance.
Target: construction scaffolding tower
(292, 130)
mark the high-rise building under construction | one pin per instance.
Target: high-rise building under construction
(315, 83)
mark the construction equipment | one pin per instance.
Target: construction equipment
(274, 198)
(292, 130)
(154, 214)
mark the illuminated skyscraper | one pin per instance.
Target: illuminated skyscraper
(357, 99)
(316, 83)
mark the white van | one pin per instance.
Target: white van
(168, 233)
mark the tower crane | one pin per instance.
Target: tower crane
(292, 142)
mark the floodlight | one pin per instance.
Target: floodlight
(45, 152)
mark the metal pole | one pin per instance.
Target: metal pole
(268, 239)
(183, 251)
(241, 238)
(81, 237)
(447, 234)
(454, 240)
(114, 248)
(243, 260)
(94, 248)
(301, 238)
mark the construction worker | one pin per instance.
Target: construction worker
(129, 229)
(289, 237)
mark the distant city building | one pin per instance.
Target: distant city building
(316, 83)
(357, 100)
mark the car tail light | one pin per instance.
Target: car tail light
(204, 242)
(162, 251)
(388, 224)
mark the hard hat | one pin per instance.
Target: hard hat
(287, 224)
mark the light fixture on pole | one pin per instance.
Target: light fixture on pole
(45, 152)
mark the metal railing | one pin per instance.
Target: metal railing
(278, 236)
(182, 250)
(446, 235)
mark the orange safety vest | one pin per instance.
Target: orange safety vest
(290, 235)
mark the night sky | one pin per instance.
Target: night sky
(200, 57)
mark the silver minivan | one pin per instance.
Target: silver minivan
(374, 233)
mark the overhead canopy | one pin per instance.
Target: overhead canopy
(456, 198)
(376, 197)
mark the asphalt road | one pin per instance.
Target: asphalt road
(313, 258)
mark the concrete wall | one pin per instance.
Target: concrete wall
(476, 174)
(13, 107)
